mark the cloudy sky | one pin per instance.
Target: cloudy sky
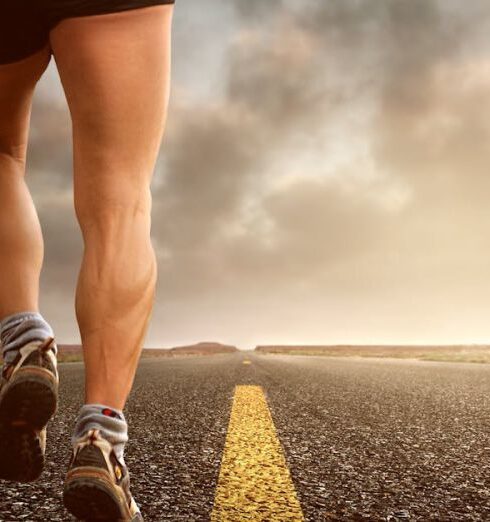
(324, 177)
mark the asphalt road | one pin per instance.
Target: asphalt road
(364, 439)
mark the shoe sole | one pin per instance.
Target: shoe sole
(89, 494)
(21, 455)
(27, 404)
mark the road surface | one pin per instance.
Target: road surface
(360, 440)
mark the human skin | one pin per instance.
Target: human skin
(115, 72)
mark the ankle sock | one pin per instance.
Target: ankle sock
(108, 420)
(16, 330)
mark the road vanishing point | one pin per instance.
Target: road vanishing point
(250, 437)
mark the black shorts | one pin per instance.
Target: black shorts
(25, 24)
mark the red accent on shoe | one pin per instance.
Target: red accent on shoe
(109, 413)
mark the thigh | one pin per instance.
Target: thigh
(115, 71)
(17, 82)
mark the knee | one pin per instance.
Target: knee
(120, 204)
(118, 249)
(12, 153)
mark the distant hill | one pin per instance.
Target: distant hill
(73, 352)
(204, 348)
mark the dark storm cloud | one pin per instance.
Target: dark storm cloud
(277, 87)
(217, 155)
(288, 74)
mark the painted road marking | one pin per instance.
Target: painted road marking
(254, 481)
(247, 361)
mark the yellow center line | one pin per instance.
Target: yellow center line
(254, 481)
(247, 361)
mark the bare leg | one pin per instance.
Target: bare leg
(115, 70)
(29, 394)
(21, 242)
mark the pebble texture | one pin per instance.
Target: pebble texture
(383, 440)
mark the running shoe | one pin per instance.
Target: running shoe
(28, 400)
(97, 482)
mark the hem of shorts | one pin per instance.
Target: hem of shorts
(107, 9)
(23, 55)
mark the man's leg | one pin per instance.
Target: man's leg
(28, 384)
(115, 71)
(21, 242)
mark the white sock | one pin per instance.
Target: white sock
(17, 330)
(108, 420)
